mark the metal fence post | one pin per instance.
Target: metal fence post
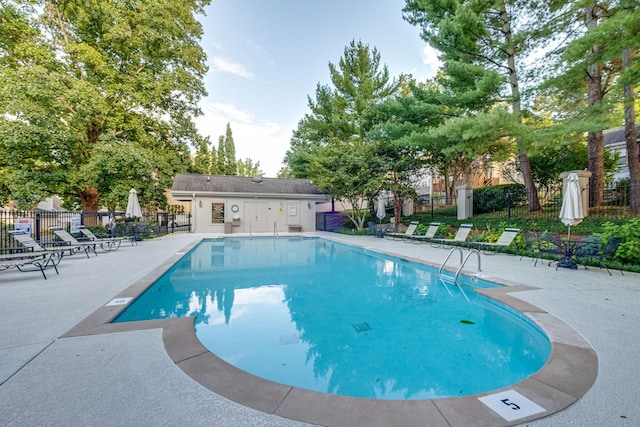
(37, 226)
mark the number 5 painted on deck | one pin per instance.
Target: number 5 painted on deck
(510, 404)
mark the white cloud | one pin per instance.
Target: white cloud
(228, 110)
(265, 142)
(225, 65)
(430, 59)
(257, 48)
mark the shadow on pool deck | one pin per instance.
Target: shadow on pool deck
(39, 387)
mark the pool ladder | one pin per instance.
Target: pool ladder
(444, 278)
(275, 229)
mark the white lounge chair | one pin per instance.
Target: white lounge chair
(505, 239)
(26, 241)
(429, 235)
(106, 243)
(39, 260)
(408, 232)
(70, 240)
(460, 237)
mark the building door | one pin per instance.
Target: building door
(257, 217)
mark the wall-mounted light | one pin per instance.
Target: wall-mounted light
(200, 203)
(308, 205)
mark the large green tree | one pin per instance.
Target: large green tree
(226, 153)
(456, 123)
(405, 145)
(230, 163)
(338, 123)
(247, 167)
(394, 158)
(222, 160)
(499, 35)
(87, 85)
(595, 73)
(610, 50)
(205, 159)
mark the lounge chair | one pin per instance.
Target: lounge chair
(111, 243)
(503, 242)
(430, 234)
(409, 232)
(460, 237)
(29, 243)
(70, 240)
(593, 252)
(39, 260)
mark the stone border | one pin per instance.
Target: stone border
(568, 374)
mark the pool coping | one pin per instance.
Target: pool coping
(567, 375)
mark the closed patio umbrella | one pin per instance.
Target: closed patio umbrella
(381, 210)
(571, 211)
(133, 205)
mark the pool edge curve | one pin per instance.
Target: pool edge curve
(567, 375)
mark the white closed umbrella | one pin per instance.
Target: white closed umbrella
(381, 211)
(133, 205)
(571, 212)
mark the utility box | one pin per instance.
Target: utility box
(465, 201)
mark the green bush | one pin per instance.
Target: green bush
(496, 198)
(629, 250)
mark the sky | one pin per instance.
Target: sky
(266, 57)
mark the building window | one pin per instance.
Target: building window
(217, 213)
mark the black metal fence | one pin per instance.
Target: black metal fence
(38, 223)
(615, 203)
(331, 221)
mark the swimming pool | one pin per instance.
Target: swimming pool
(328, 317)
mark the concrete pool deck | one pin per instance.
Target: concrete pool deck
(53, 373)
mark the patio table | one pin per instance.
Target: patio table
(570, 249)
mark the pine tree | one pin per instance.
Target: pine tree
(230, 167)
(220, 163)
(498, 35)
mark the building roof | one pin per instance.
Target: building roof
(616, 135)
(225, 185)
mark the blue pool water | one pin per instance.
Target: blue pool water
(336, 319)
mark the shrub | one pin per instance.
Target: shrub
(629, 250)
(497, 197)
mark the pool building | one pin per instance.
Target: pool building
(239, 204)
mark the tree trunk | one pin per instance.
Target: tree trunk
(89, 199)
(595, 140)
(516, 109)
(631, 137)
(397, 207)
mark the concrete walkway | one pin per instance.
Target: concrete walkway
(127, 378)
